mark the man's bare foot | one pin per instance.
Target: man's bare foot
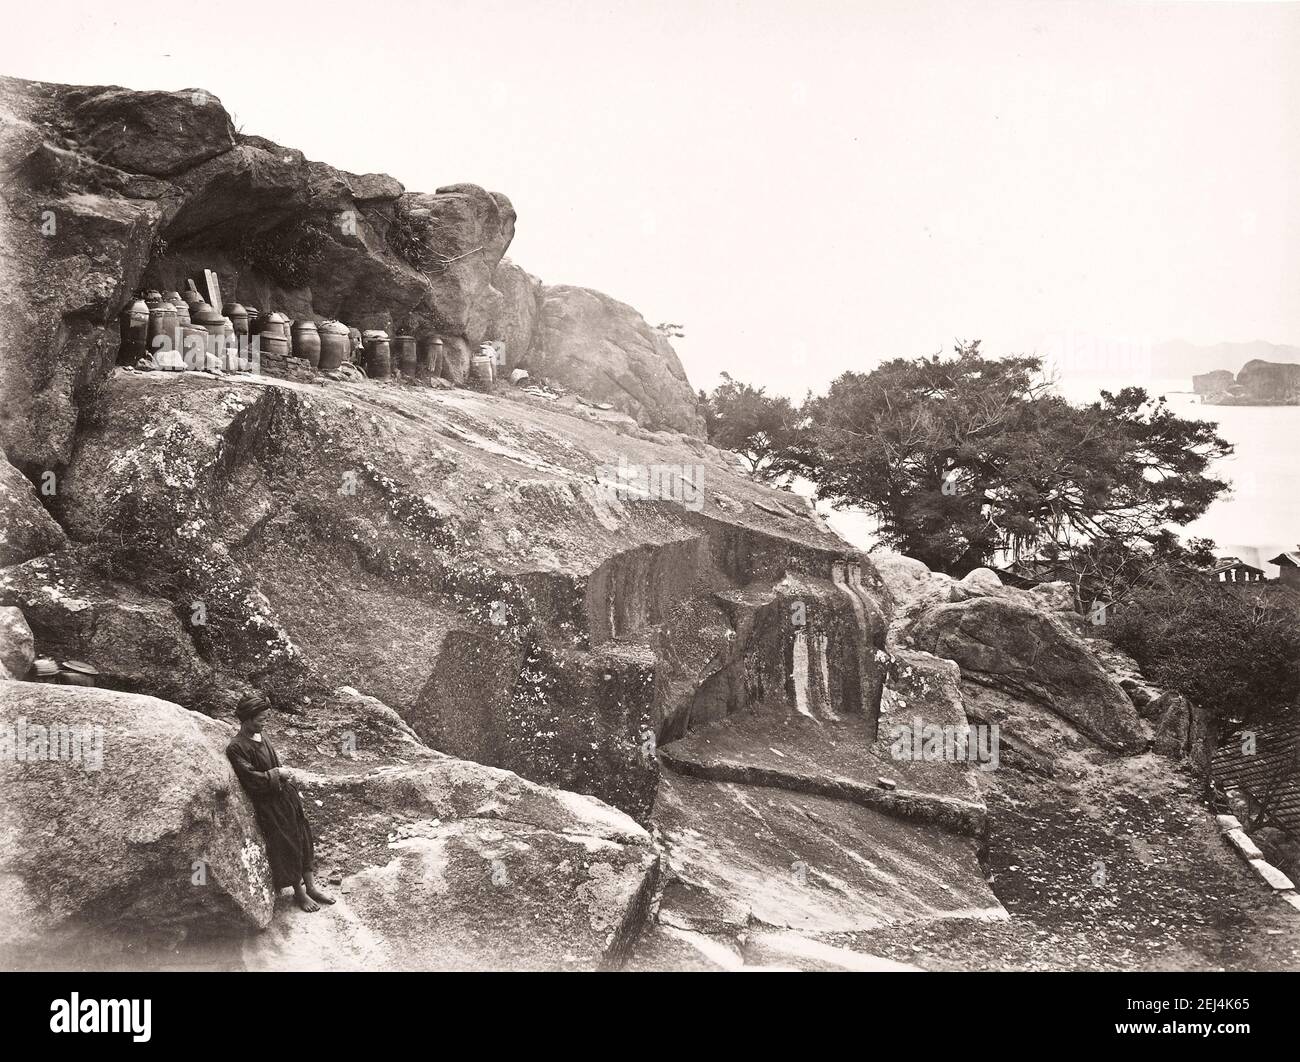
(304, 901)
(316, 894)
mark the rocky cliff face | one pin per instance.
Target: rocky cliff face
(108, 189)
(500, 573)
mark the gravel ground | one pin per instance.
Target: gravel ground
(1110, 865)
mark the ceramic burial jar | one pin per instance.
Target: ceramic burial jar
(213, 322)
(379, 364)
(181, 307)
(134, 322)
(481, 369)
(192, 298)
(335, 345)
(162, 331)
(274, 337)
(429, 363)
(404, 357)
(306, 340)
(194, 345)
(238, 319)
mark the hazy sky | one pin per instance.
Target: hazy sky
(807, 186)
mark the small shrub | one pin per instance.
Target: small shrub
(1236, 656)
(288, 253)
(410, 236)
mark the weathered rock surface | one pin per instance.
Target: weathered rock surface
(120, 812)
(981, 581)
(474, 563)
(110, 190)
(1027, 651)
(1171, 717)
(1259, 383)
(846, 755)
(913, 588)
(604, 349)
(17, 646)
(447, 864)
(1213, 383)
(740, 854)
(440, 863)
(134, 639)
(26, 529)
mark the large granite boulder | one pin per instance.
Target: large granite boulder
(17, 646)
(1013, 646)
(445, 864)
(26, 529)
(604, 349)
(120, 811)
(982, 582)
(913, 588)
(136, 640)
(70, 264)
(508, 313)
(155, 133)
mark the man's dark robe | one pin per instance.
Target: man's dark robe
(279, 809)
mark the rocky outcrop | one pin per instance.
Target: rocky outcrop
(445, 864)
(26, 529)
(1026, 651)
(1270, 383)
(604, 349)
(508, 312)
(1259, 383)
(739, 855)
(1213, 383)
(110, 189)
(120, 811)
(915, 589)
(17, 646)
(1171, 715)
(475, 563)
(136, 640)
(438, 863)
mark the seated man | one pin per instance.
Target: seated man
(277, 803)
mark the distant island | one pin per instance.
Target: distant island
(1259, 383)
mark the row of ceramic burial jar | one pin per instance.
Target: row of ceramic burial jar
(183, 319)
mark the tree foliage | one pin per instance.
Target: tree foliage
(762, 429)
(964, 458)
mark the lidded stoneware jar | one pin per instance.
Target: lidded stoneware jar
(335, 344)
(379, 363)
(306, 340)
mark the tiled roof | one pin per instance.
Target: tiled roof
(1271, 774)
(1286, 558)
(1228, 563)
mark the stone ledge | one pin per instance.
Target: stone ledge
(1243, 844)
(1274, 877)
(947, 813)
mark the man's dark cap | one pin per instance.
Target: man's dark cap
(250, 704)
